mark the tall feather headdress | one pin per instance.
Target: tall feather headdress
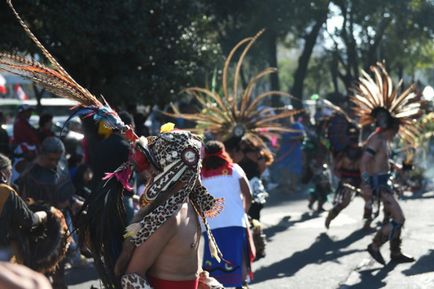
(237, 112)
(174, 154)
(378, 101)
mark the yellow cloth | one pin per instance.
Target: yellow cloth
(5, 191)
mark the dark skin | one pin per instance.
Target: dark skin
(379, 164)
(172, 250)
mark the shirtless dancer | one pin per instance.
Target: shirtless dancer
(346, 166)
(375, 176)
(377, 101)
(161, 243)
(162, 250)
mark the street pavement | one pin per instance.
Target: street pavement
(301, 253)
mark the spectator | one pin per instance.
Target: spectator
(45, 126)
(224, 179)
(288, 166)
(23, 130)
(4, 137)
(83, 181)
(15, 215)
(48, 180)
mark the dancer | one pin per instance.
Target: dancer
(162, 243)
(227, 180)
(377, 101)
(346, 165)
(238, 119)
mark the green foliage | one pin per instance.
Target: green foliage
(129, 51)
(148, 51)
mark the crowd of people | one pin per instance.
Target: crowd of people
(138, 204)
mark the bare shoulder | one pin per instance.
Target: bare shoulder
(373, 141)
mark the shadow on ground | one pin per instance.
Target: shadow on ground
(322, 250)
(372, 278)
(286, 223)
(424, 264)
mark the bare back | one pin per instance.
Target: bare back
(180, 259)
(171, 253)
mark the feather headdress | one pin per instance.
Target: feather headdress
(378, 101)
(57, 80)
(176, 155)
(236, 112)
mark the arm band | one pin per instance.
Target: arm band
(370, 151)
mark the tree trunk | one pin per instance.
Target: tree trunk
(272, 60)
(38, 94)
(334, 71)
(303, 60)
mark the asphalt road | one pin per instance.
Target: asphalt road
(301, 253)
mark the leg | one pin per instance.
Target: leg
(322, 198)
(390, 231)
(367, 214)
(344, 198)
(312, 198)
(393, 210)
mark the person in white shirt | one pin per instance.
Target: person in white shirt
(224, 179)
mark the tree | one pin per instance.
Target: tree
(397, 31)
(128, 51)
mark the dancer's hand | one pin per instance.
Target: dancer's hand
(207, 282)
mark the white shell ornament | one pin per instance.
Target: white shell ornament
(190, 157)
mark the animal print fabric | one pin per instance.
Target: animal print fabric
(178, 154)
(134, 281)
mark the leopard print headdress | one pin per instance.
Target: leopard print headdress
(177, 156)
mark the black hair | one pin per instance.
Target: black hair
(126, 118)
(211, 161)
(44, 118)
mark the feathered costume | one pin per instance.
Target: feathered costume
(237, 113)
(175, 154)
(343, 135)
(378, 101)
(234, 115)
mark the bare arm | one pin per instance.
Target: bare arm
(247, 194)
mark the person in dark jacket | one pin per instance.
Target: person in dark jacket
(15, 215)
